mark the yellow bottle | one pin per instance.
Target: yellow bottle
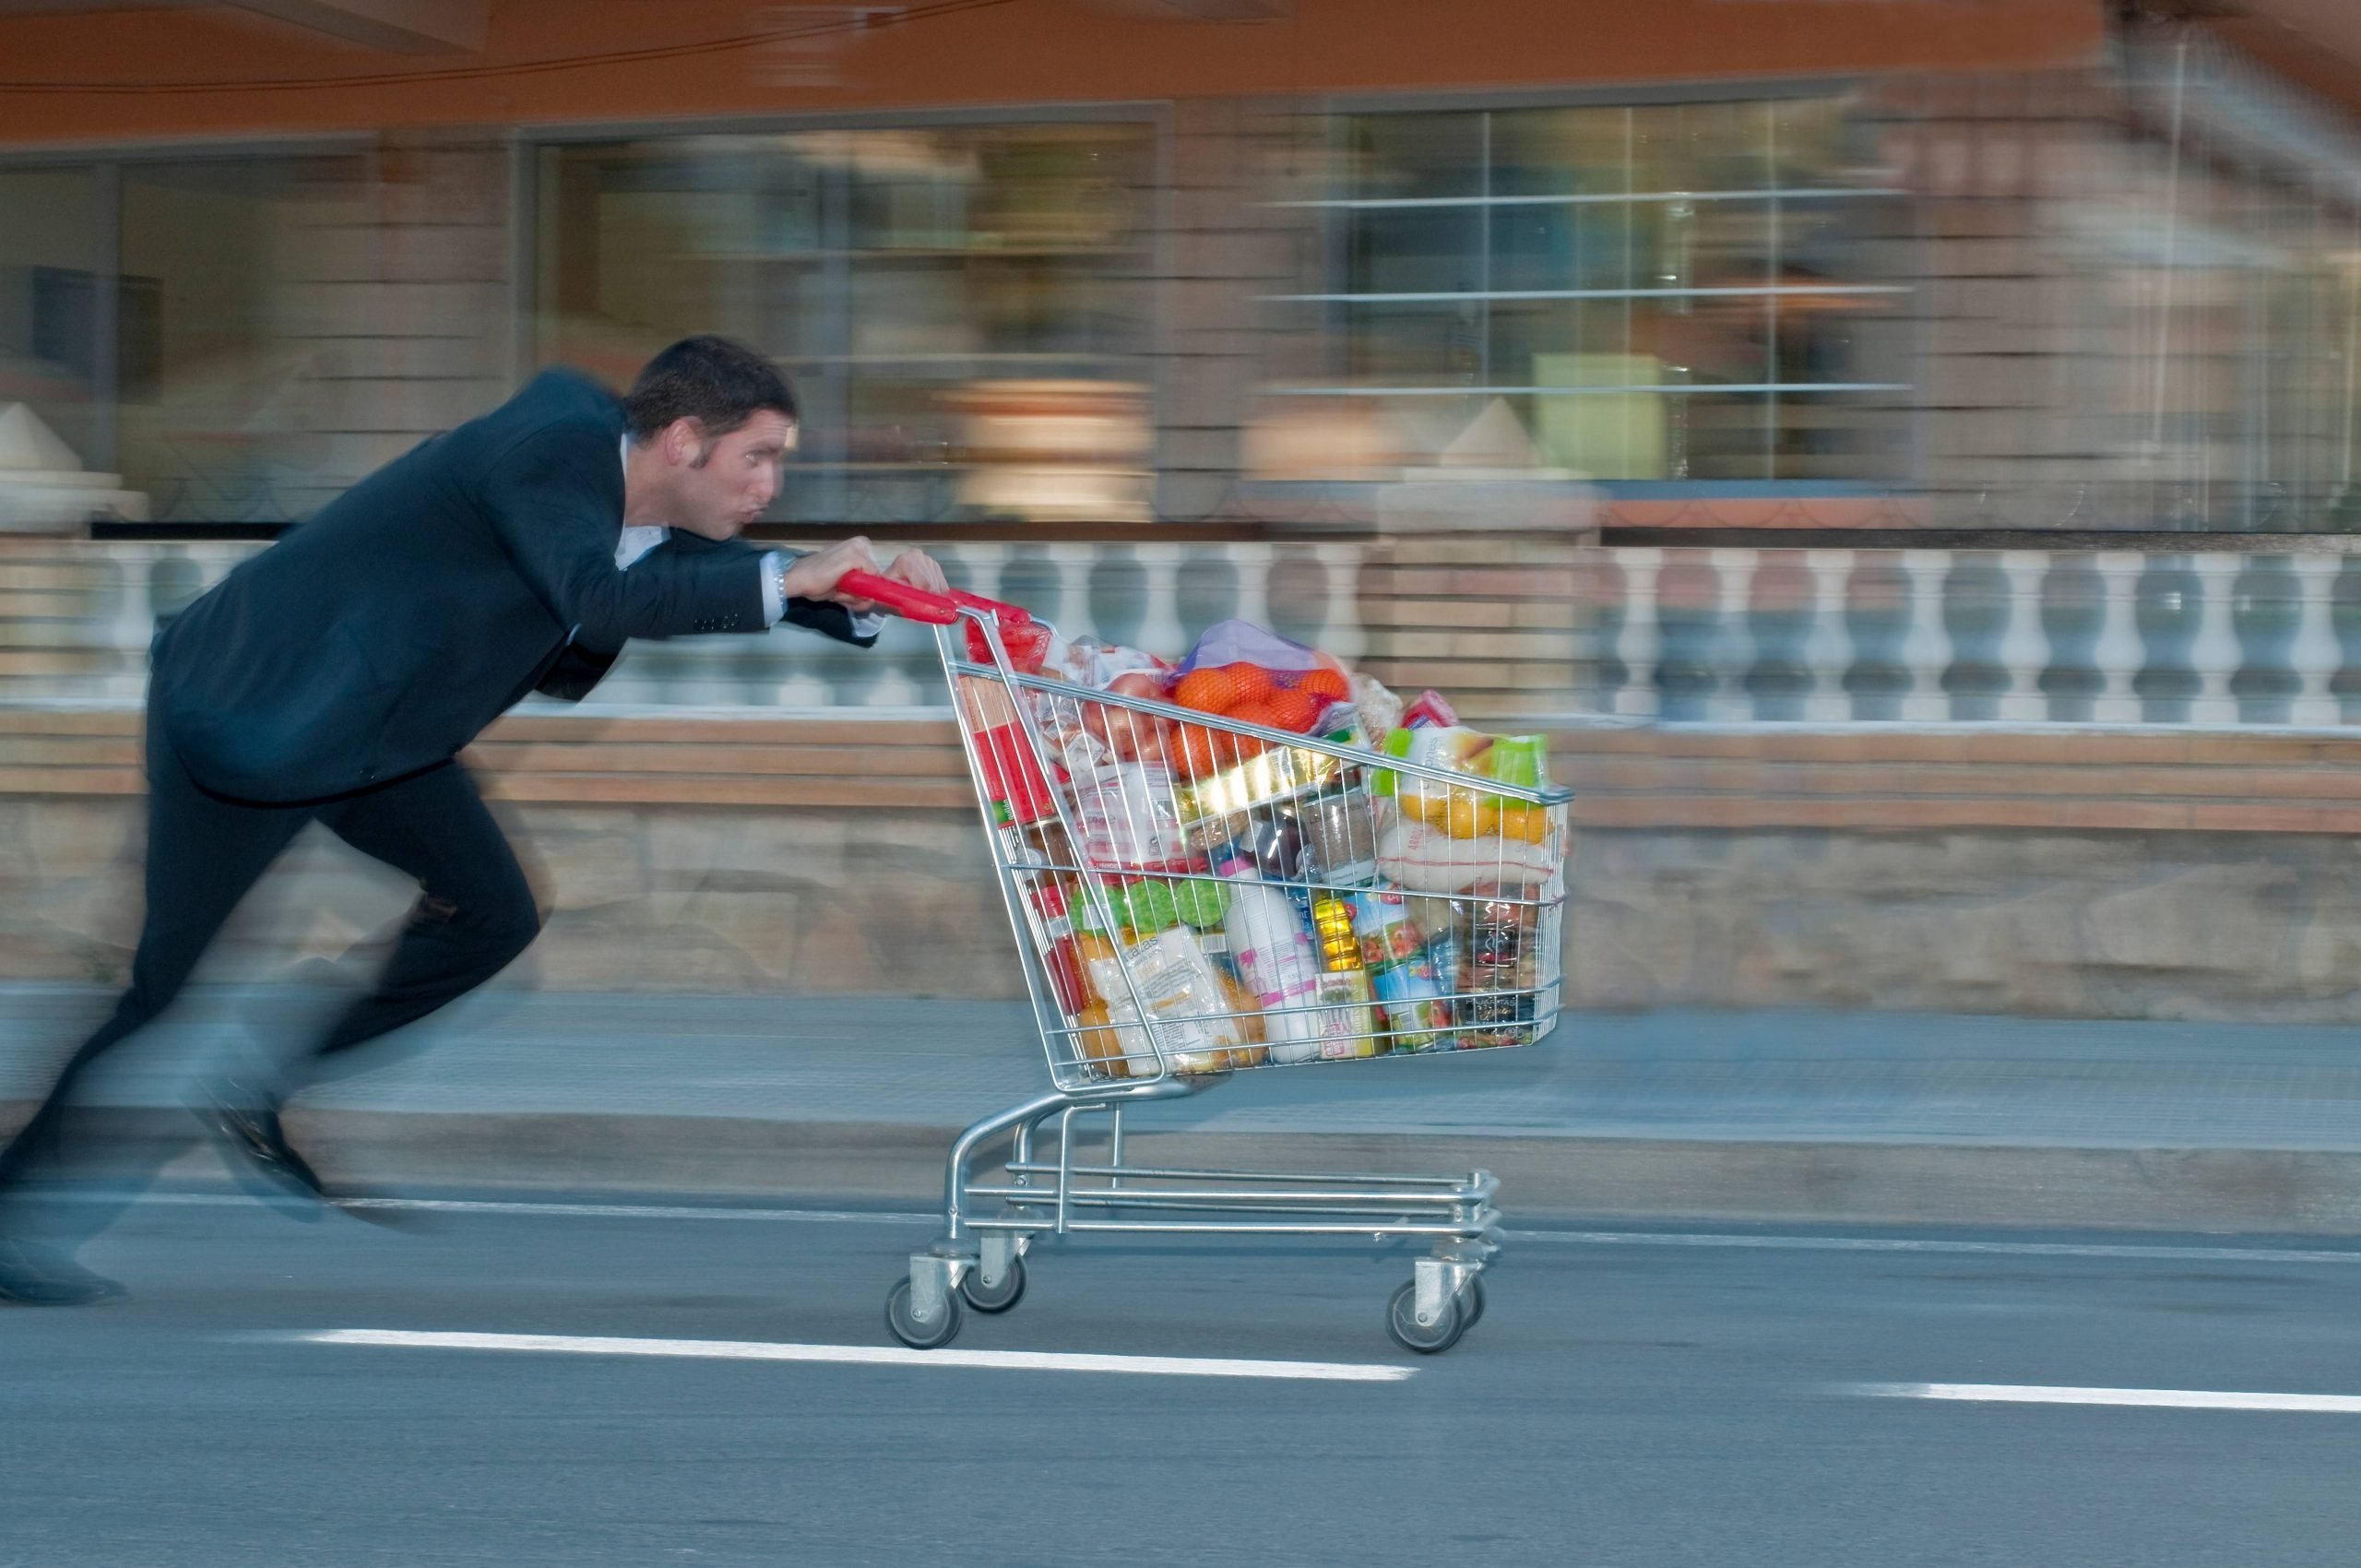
(1348, 1027)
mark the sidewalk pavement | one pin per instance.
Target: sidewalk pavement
(1863, 1117)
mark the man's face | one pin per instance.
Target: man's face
(727, 481)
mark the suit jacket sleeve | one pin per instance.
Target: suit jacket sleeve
(579, 667)
(823, 616)
(555, 500)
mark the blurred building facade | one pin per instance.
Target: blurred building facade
(1825, 373)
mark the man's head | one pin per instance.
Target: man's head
(714, 420)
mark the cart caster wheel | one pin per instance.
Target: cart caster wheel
(909, 1330)
(1471, 1304)
(1427, 1339)
(997, 1297)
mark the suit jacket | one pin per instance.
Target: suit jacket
(379, 637)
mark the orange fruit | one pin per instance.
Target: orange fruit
(1209, 691)
(1326, 682)
(1297, 711)
(1254, 682)
(1263, 713)
(1203, 753)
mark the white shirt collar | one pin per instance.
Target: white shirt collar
(636, 539)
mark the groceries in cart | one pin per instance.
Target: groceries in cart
(1251, 856)
(1254, 855)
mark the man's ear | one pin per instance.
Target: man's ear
(682, 440)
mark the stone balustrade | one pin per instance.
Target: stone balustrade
(2210, 640)
(76, 619)
(2021, 638)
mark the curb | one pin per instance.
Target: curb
(2293, 1191)
(2241, 1190)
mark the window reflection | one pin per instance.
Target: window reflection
(236, 327)
(49, 228)
(966, 309)
(1678, 291)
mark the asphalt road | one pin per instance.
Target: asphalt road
(1633, 1399)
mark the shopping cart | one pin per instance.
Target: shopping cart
(1370, 907)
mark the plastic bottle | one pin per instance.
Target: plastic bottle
(1349, 1027)
(1058, 956)
(1273, 953)
(1400, 973)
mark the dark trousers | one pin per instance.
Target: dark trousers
(474, 914)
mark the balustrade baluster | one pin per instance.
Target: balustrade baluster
(1826, 649)
(1639, 641)
(2314, 654)
(2025, 643)
(1341, 632)
(2213, 651)
(2120, 650)
(1779, 601)
(2074, 599)
(2265, 611)
(1688, 610)
(1160, 621)
(1927, 651)
(1976, 620)
(1731, 653)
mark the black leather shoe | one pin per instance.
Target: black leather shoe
(42, 1277)
(248, 1121)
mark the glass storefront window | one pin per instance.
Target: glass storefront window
(964, 310)
(1681, 291)
(49, 256)
(232, 330)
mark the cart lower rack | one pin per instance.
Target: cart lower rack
(1196, 897)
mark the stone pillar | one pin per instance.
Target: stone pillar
(1476, 588)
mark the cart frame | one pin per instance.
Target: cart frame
(1053, 1188)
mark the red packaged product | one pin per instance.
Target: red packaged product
(1430, 710)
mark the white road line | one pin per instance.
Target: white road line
(1908, 1245)
(2166, 1398)
(864, 1355)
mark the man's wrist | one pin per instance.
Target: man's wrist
(774, 588)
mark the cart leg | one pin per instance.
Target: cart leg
(1437, 1283)
(996, 1282)
(932, 1279)
(999, 1252)
(963, 1154)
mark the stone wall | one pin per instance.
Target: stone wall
(2117, 925)
(2145, 876)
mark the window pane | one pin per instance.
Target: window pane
(48, 249)
(237, 399)
(1416, 345)
(644, 243)
(1400, 156)
(1576, 246)
(909, 277)
(1704, 295)
(1561, 151)
(1701, 147)
(1416, 251)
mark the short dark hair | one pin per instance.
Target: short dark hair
(718, 382)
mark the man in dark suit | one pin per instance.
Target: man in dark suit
(335, 677)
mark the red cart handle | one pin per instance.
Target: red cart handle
(917, 604)
(889, 593)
